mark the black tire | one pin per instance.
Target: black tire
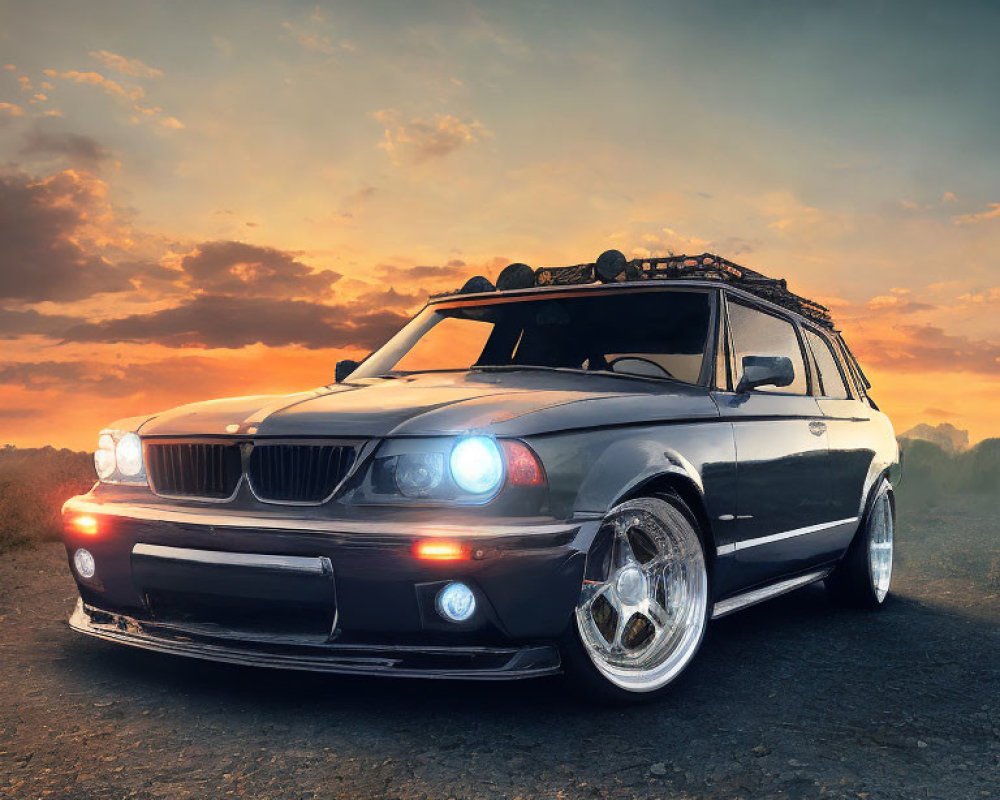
(855, 582)
(582, 671)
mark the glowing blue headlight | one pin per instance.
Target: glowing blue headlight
(476, 465)
(456, 602)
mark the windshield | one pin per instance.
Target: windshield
(652, 334)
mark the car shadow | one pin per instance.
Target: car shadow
(773, 647)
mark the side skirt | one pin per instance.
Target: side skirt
(751, 598)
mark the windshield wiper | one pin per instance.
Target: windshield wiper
(571, 370)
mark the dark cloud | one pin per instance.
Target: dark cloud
(111, 379)
(390, 298)
(407, 277)
(39, 257)
(246, 270)
(22, 323)
(18, 414)
(232, 322)
(926, 348)
(76, 148)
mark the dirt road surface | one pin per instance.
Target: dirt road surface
(792, 699)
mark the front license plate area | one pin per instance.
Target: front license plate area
(237, 595)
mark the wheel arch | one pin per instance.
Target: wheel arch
(684, 487)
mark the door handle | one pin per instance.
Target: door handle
(817, 428)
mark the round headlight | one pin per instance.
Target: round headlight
(476, 465)
(419, 474)
(129, 455)
(104, 457)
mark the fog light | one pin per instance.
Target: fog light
(456, 602)
(84, 563)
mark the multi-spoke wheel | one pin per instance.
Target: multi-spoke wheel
(863, 576)
(644, 603)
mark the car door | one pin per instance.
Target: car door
(849, 419)
(783, 498)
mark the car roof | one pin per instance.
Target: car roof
(611, 272)
(577, 290)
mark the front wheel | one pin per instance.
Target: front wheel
(643, 607)
(863, 576)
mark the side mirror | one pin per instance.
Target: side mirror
(347, 366)
(765, 371)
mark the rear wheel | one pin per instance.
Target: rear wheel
(643, 607)
(863, 576)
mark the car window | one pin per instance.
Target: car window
(758, 334)
(830, 378)
(453, 343)
(854, 368)
(651, 334)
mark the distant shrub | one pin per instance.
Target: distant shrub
(34, 483)
(931, 475)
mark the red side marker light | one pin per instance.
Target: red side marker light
(440, 550)
(85, 524)
(523, 466)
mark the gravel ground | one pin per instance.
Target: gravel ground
(795, 698)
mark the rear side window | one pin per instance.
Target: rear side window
(831, 380)
(758, 334)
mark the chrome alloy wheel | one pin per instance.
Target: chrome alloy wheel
(880, 530)
(641, 617)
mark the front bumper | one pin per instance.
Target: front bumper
(377, 598)
(414, 661)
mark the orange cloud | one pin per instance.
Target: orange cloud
(417, 140)
(13, 110)
(127, 66)
(992, 212)
(97, 79)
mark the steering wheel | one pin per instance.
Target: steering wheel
(657, 370)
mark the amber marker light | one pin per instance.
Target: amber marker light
(85, 524)
(440, 550)
(523, 466)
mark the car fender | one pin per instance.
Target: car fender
(885, 463)
(702, 455)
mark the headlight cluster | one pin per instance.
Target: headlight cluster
(118, 458)
(470, 469)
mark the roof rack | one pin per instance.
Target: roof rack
(612, 267)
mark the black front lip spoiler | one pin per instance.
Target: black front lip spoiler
(459, 662)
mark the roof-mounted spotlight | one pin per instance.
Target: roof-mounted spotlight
(476, 285)
(516, 276)
(611, 265)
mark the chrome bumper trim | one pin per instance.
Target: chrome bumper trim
(741, 601)
(300, 564)
(233, 519)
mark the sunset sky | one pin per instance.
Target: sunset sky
(201, 199)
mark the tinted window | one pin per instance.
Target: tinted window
(758, 334)
(660, 334)
(831, 381)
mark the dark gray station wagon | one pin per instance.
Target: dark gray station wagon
(573, 471)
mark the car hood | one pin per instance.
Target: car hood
(503, 403)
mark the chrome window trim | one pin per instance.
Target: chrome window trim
(301, 564)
